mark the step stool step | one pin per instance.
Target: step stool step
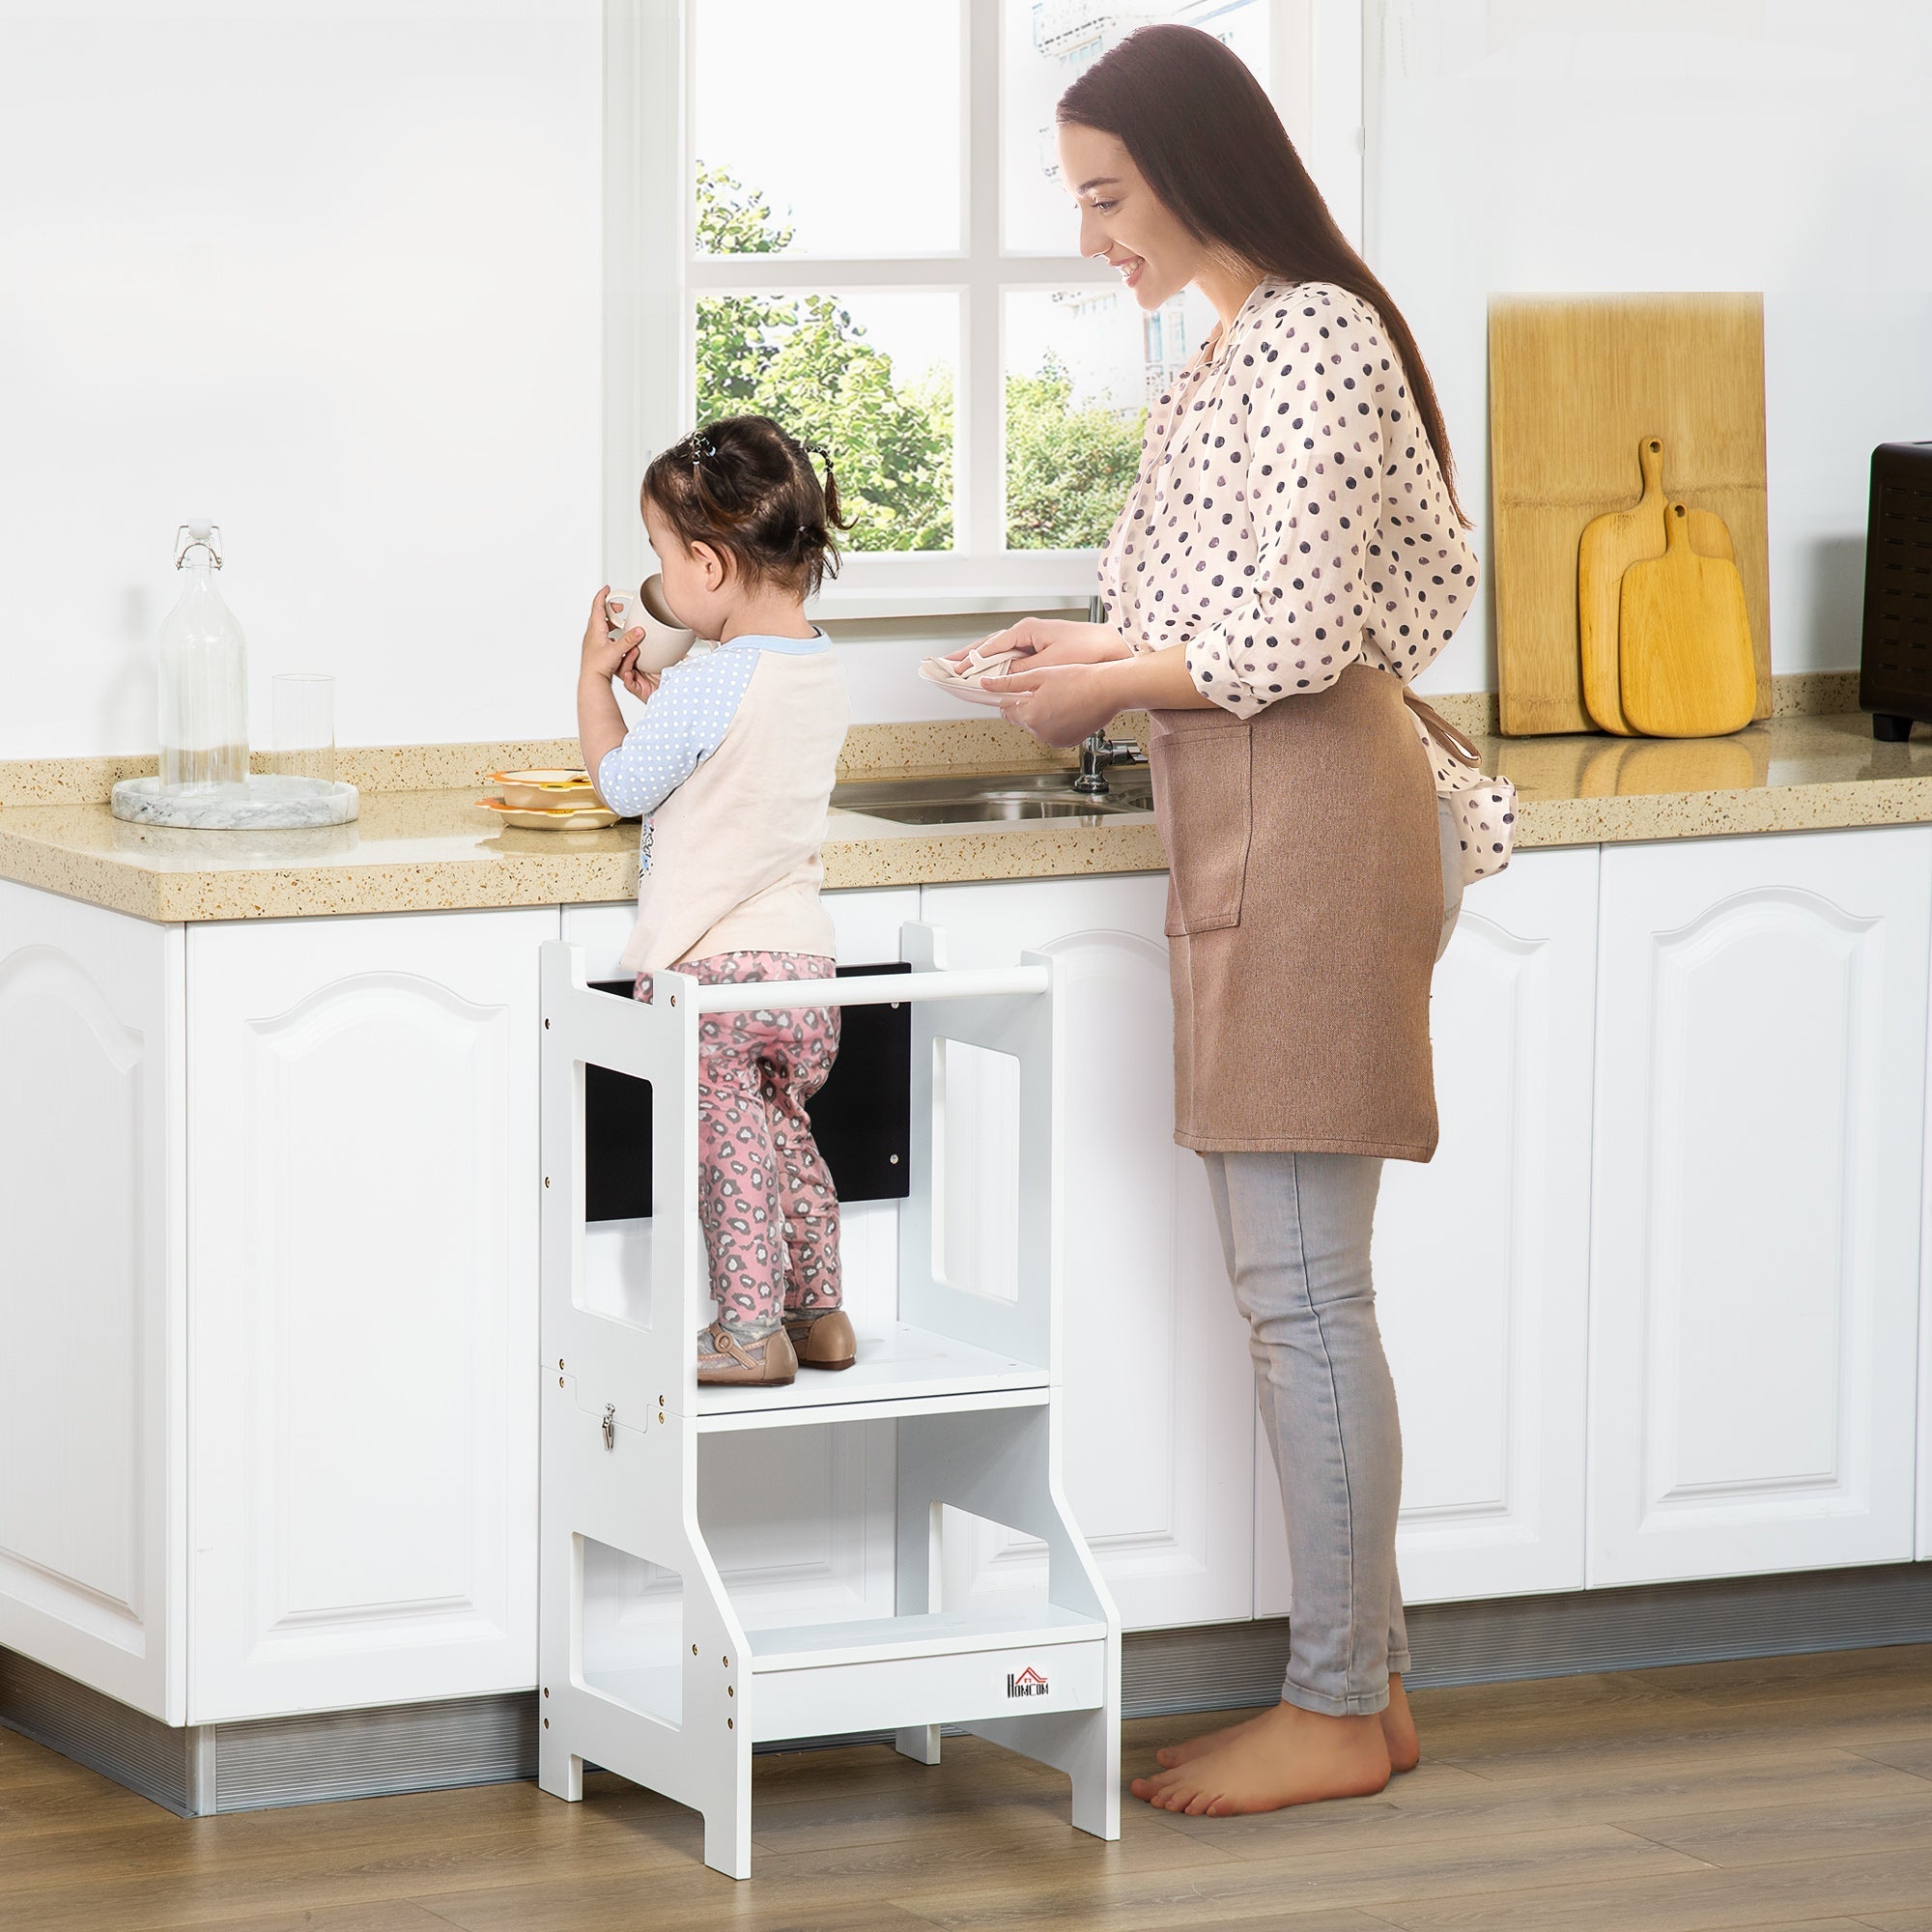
(950, 1667)
(901, 1368)
(933, 1633)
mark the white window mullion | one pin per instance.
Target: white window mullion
(647, 336)
(980, 515)
(838, 273)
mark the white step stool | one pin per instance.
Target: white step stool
(973, 1383)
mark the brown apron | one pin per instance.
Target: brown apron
(1304, 907)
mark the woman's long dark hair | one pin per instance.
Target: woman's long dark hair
(1206, 136)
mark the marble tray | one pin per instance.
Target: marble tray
(268, 802)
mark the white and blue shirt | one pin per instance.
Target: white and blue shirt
(686, 720)
(732, 766)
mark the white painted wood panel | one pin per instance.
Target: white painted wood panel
(1924, 1473)
(1160, 1400)
(800, 1520)
(1482, 1258)
(91, 1464)
(362, 1122)
(1759, 1126)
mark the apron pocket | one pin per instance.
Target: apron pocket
(1200, 787)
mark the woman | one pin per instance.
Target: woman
(1291, 554)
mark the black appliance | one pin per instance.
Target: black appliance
(1896, 663)
(861, 1118)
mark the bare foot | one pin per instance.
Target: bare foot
(1286, 1756)
(1172, 1757)
(1399, 1729)
(1398, 1733)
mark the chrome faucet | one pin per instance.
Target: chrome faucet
(1096, 754)
(1099, 752)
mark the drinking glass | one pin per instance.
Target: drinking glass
(304, 721)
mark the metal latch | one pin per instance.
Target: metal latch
(609, 1425)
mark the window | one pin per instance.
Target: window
(865, 235)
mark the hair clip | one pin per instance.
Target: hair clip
(697, 447)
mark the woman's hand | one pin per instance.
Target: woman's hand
(1060, 705)
(603, 654)
(1052, 640)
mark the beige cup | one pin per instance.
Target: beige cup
(665, 640)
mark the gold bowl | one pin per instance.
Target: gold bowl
(542, 789)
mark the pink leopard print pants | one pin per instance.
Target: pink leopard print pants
(767, 1203)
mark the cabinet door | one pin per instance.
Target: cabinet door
(1481, 1256)
(800, 1519)
(92, 1490)
(1760, 1105)
(362, 1126)
(1160, 1400)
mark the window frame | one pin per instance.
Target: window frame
(653, 280)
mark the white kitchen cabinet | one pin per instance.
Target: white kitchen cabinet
(800, 1520)
(362, 1203)
(1759, 1129)
(1160, 1400)
(1924, 1473)
(92, 1297)
(1481, 1256)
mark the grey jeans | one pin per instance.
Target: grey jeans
(1295, 1230)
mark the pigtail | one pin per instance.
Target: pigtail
(820, 545)
(828, 488)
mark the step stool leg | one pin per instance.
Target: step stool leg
(920, 1744)
(919, 1552)
(1086, 1745)
(728, 1819)
(560, 1772)
(560, 1639)
(1093, 1762)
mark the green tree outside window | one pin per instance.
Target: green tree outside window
(803, 360)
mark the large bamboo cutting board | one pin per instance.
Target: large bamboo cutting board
(1575, 384)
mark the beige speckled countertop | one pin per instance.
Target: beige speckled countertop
(431, 850)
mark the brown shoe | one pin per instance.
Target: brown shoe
(724, 1360)
(823, 1341)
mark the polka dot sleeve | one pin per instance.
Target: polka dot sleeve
(1300, 493)
(683, 723)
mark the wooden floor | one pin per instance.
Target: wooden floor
(1782, 1793)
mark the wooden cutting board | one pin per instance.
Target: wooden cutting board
(1684, 646)
(1610, 544)
(1575, 384)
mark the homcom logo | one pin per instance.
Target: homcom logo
(1028, 1683)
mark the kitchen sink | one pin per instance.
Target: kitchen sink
(1011, 798)
(992, 811)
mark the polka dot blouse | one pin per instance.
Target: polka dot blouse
(1290, 518)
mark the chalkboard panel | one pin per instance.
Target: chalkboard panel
(861, 1118)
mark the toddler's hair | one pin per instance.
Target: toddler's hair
(745, 486)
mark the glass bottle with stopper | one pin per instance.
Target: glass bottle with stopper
(204, 675)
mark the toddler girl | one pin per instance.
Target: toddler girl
(732, 767)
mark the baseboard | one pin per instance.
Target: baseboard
(1218, 1667)
(199, 1768)
(1211, 1667)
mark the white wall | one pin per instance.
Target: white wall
(329, 273)
(1586, 145)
